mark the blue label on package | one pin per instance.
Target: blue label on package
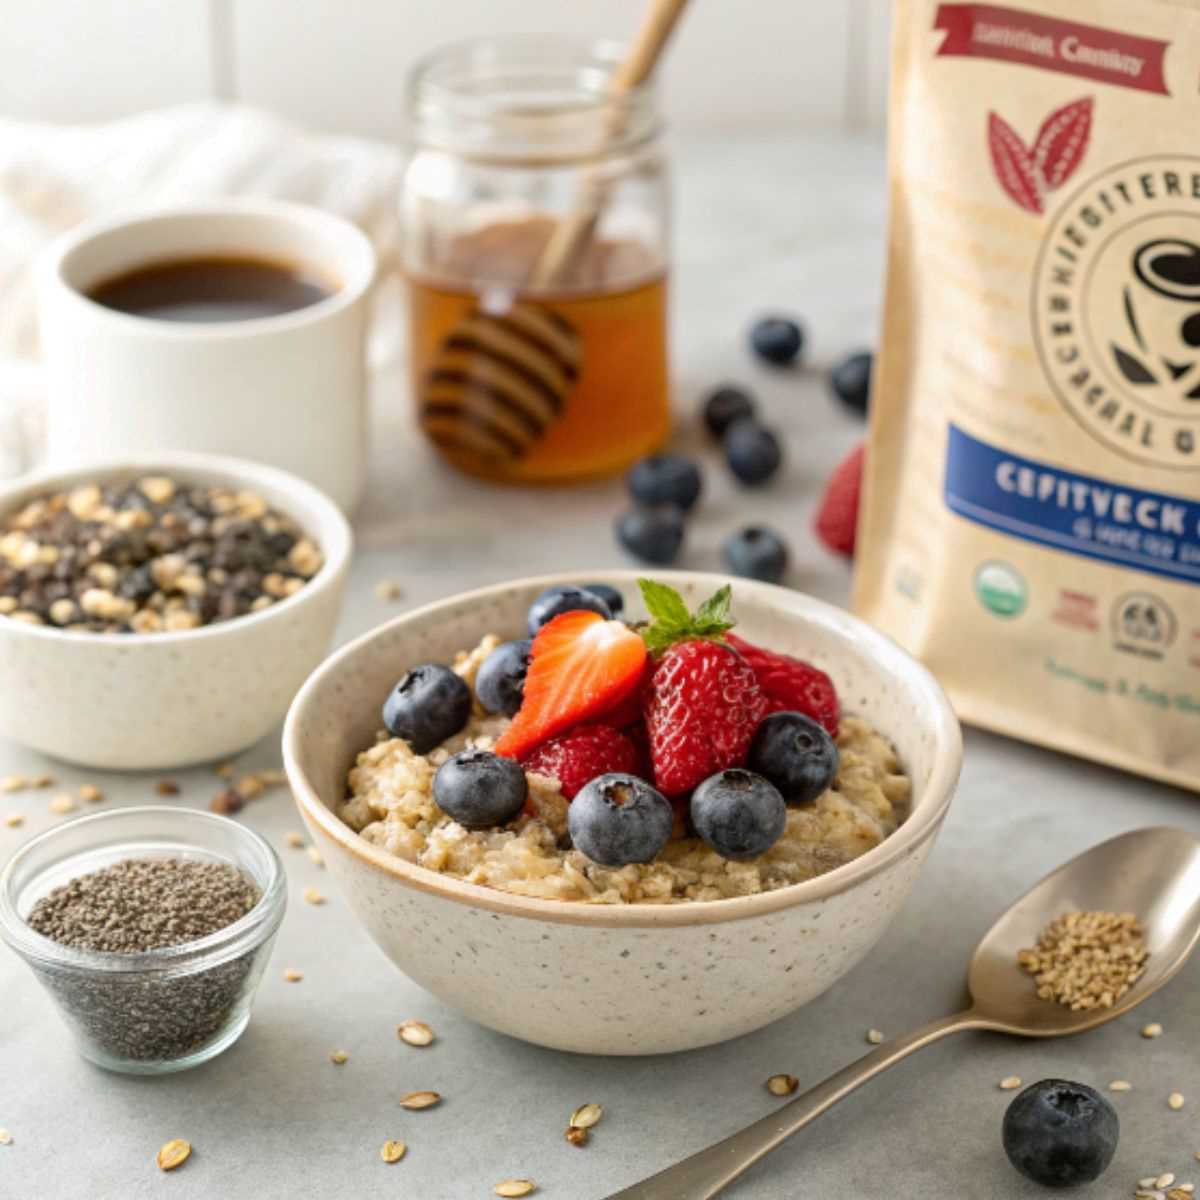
(1078, 514)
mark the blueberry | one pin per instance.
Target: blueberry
(500, 684)
(752, 451)
(756, 552)
(777, 339)
(654, 535)
(560, 599)
(619, 819)
(724, 406)
(610, 596)
(795, 754)
(479, 789)
(665, 479)
(430, 704)
(739, 814)
(1060, 1134)
(851, 380)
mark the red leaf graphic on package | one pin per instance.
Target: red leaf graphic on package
(1013, 163)
(1027, 174)
(1061, 141)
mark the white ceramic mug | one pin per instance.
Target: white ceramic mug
(288, 390)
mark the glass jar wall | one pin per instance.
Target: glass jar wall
(535, 223)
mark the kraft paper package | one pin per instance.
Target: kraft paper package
(1031, 518)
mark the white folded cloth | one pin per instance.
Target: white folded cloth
(54, 176)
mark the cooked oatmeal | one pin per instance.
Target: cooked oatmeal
(391, 805)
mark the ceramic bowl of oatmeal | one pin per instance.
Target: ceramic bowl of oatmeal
(162, 611)
(523, 933)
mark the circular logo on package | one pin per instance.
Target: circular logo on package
(1143, 624)
(1116, 309)
(1001, 589)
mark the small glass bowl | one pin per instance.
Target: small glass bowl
(160, 1010)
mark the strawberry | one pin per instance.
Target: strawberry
(837, 518)
(792, 685)
(703, 702)
(580, 666)
(577, 757)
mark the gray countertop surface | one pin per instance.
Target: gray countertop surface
(788, 223)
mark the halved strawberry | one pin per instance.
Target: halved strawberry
(580, 667)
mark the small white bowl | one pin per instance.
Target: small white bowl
(129, 701)
(637, 978)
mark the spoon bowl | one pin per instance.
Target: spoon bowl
(1152, 873)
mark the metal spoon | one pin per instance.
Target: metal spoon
(1153, 873)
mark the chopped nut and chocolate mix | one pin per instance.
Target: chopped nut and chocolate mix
(148, 555)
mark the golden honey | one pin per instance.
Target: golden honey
(543, 386)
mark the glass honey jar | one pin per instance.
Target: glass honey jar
(535, 219)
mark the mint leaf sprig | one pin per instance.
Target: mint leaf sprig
(671, 622)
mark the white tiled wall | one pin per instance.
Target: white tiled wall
(340, 64)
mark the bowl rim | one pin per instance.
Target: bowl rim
(336, 541)
(922, 823)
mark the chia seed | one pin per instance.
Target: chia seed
(132, 907)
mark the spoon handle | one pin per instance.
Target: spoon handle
(705, 1174)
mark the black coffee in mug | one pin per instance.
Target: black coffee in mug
(208, 289)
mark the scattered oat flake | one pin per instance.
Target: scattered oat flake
(392, 1152)
(337, 1057)
(13, 783)
(1147, 1181)
(782, 1085)
(1120, 1085)
(271, 777)
(295, 840)
(875, 1037)
(388, 589)
(1153, 1030)
(1182, 1192)
(1176, 1101)
(415, 1033)
(1010, 1083)
(515, 1187)
(577, 1136)
(292, 975)
(587, 1115)
(167, 787)
(90, 793)
(315, 854)
(312, 896)
(173, 1154)
(5, 1138)
(42, 781)
(14, 820)
(1165, 1179)
(250, 787)
(62, 803)
(415, 1101)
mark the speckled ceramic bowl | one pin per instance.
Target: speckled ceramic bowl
(634, 979)
(163, 700)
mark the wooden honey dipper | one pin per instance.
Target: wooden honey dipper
(501, 379)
